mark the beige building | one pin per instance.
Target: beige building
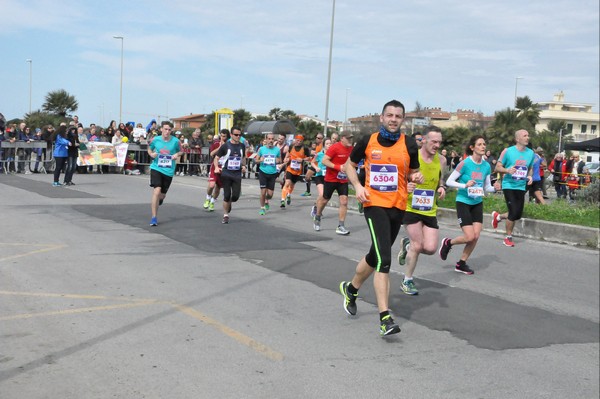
(582, 122)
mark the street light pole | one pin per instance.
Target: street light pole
(121, 90)
(329, 71)
(346, 110)
(516, 85)
(30, 80)
(559, 140)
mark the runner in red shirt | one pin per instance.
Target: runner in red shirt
(336, 180)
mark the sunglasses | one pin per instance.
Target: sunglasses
(236, 135)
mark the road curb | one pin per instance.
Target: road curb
(529, 228)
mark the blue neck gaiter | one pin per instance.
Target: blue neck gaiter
(388, 135)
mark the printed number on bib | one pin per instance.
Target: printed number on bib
(475, 192)
(520, 173)
(234, 163)
(383, 178)
(165, 160)
(422, 200)
(269, 160)
(296, 164)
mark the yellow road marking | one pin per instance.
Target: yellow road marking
(236, 335)
(45, 249)
(73, 296)
(73, 311)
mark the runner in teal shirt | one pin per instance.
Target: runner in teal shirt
(269, 159)
(516, 163)
(165, 161)
(165, 152)
(522, 162)
(472, 178)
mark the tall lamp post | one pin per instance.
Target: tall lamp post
(516, 85)
(121, 90)
(346, 111)
(30, 80)
(329, 71)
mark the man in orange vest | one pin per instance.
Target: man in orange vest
(391, 161)
(297, 154)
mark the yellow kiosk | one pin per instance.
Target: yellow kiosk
(223, 120)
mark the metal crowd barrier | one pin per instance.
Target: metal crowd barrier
(40, 154)
(33, 155)
(192, 161)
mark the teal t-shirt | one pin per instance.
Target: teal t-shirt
(319, 159)
(469, 170)
(164, 163)
(522, 161)
(269, 164)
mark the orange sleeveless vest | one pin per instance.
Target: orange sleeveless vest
(296, 161)
(387, 173)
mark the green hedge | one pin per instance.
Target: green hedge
(560, 211)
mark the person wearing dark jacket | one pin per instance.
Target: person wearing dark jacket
(73, 153)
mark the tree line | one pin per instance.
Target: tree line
(59, 105)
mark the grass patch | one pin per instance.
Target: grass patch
(559, 211)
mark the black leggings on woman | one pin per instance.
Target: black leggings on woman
(60, 164)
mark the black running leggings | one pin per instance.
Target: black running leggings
(232, 188)
(384, 225)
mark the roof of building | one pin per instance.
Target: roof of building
(190, 117)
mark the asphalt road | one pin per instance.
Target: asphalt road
(95, 303)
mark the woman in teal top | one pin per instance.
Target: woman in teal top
(472, 178)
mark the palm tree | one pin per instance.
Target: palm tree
(501, 132)
(275, 114)
(309, 129)
(241, 117)
(456, 138)
(528, 110)
(556, 126)
(60, 102)
(291, 116)
(39, 118)
(546, 139)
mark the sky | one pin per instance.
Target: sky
(182, 56)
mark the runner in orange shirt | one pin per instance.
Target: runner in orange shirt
(391, 161)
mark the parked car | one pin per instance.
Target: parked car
(593, 167)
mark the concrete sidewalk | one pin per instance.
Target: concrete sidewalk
(529, 228)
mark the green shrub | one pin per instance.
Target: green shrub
(582, 213)
(590, 194)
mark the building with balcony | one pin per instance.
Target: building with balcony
(582, 123)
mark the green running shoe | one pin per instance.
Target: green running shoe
(409, 288)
